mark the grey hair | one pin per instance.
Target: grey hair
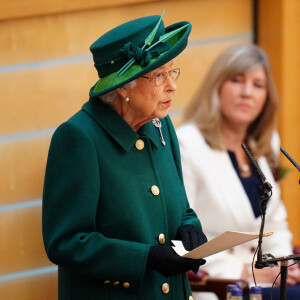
(113, 96)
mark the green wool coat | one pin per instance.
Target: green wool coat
(99, 214)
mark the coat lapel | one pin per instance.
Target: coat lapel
(230, 189)
(116, 126)
(235, 196)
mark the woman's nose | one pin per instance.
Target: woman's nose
(171, 85)
(247, 89)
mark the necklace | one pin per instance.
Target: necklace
(244, 168)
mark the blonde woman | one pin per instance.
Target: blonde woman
(237, 103)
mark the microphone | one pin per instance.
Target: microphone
(290, 159)
(267, 184)
(265, 193)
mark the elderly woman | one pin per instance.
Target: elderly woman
(113, 193)
(236, 103)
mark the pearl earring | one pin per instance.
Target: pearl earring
(127, 99)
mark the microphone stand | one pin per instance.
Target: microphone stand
(268, 260)
(264, 197)
(273, 261)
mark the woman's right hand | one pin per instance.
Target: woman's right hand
(164, 260)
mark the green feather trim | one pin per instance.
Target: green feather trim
(148, 40)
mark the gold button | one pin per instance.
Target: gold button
(161, 238)
(165, 288)
(126, 285)
(139, 144)
(155, 190)
(191, 298)
(116, 282)
(106, 281)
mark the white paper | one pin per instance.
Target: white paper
(224, 241)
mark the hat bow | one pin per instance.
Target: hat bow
(142, 56)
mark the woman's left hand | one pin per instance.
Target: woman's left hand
(293, 275)
(268, 275)
(191, 236)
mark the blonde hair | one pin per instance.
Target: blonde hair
(204, 109)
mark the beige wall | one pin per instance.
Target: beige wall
(46, 71)
(279, 34)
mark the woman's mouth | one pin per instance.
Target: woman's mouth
(167, 103)
(244, 106)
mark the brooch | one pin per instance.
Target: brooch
(156, 122)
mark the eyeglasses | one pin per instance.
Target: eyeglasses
(161, 77)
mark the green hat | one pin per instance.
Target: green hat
(135, 48)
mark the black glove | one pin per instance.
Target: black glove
(164, 260)
(191, 236)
